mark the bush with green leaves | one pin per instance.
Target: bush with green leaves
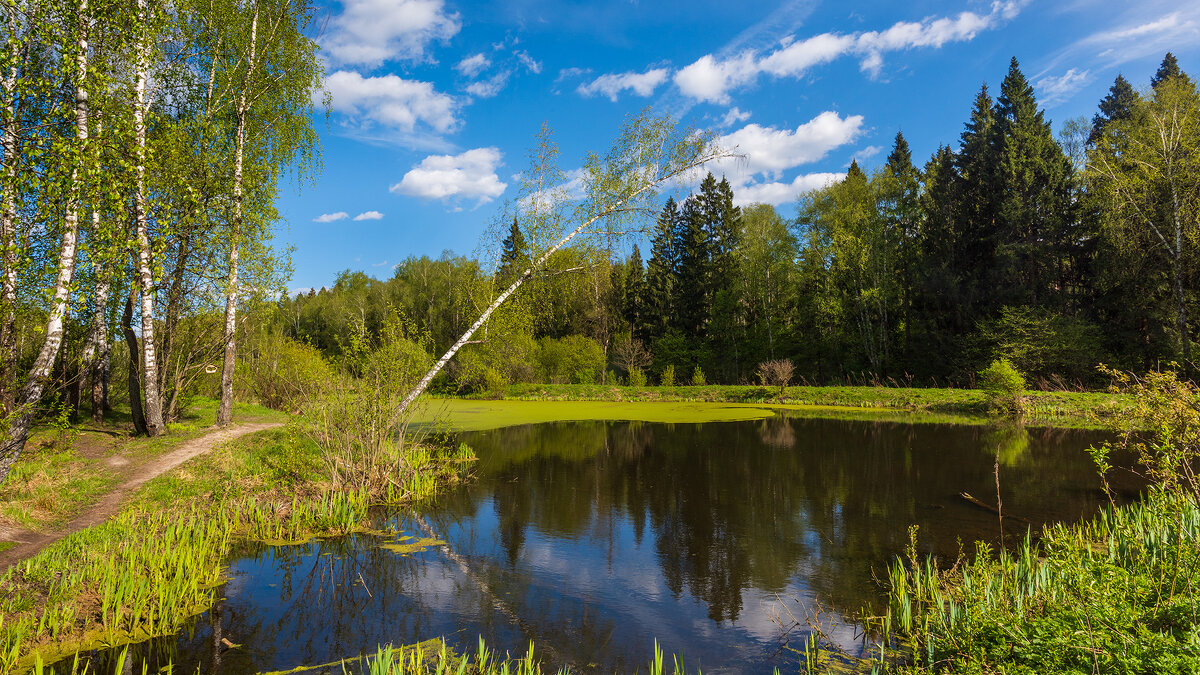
(1004, 388)
(698, 379)
(281, 373)
(637, 377)
(667, 378)
(574, 359)
(1043, 344)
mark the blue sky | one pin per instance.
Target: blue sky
(435, 103)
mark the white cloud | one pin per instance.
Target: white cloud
(734, 116)
(330, 217)
(868, 152)
(1053, 90)
(370, 32)
(532, 65)
(489, 87)
(711, 79)
(797, 57)
(776, 193)
(473, 65)
(571, 73)
(642, 84)
(368, 215)
(771, 151)
(391, 101)
(469, 175)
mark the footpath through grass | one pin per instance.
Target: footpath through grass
(160, 561)
(63, 469)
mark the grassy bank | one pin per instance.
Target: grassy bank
(1045, 407)
(161, 559)
(1120, 594)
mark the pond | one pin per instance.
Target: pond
(592, 539)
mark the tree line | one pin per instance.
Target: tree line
(1057, 252)
(143, 144)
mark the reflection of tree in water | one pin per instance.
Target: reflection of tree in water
(735, 506)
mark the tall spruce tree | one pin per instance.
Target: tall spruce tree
(1117, 105)
(1168, 69)
(900, 191)
(1036, 206)
(658, 298)
(634, 292)
(514, 253)
(693, 274)
(977, 198)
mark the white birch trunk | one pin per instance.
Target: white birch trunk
(225, 411)
(8, 216)
(154, 416)
(39, 375)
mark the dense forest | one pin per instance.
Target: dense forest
(143, 146)
(1058, 253)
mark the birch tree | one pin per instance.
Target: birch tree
(1147, 168)
(267, 68)
(618, 197)
(75, 66)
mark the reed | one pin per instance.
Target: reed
(1116, 594)
(144, 572)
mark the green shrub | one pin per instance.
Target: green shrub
(1004, 387)
(668, 376)
(698, 377)
(573, 359)
(280, 373)
(1043, 344)
(637, 377)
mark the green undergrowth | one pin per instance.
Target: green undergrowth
(1119, 594)
(161, 559)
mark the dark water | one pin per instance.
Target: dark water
(593, 539)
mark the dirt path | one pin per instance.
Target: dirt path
(29, 542)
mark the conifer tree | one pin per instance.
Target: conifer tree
(658, 298)
(1036, 206)
(976, 196)
(693, 275)
(1168, 69)
(1117, 105)
(514, 252)
(900, 201)
(635, 290)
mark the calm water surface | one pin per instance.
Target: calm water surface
(591, 539)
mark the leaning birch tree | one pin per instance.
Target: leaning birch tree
(145, 264)
(619, 198)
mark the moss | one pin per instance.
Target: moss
(465, 415)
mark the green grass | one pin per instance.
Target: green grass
(159, 561)
(63, 471)
(1120, 594)
(1074, 409)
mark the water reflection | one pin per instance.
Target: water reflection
(592, 539)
